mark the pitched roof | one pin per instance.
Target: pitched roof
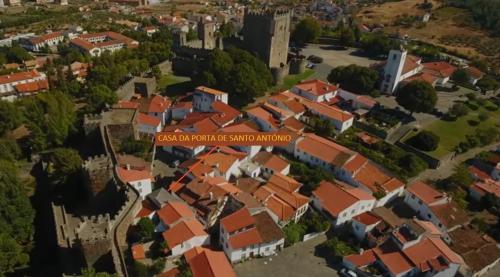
(395, 261)
(474, 72)
(45, 37)
(316, 87)
(148, 120)
(237, 220)
(324, 149)
(174, 211)
(209, 90)
(271, 161)
(450, 214)
(329, 111)
(439, 69)
(375, 178)
(138, 252)
(429, 253)
(182, 232)
(426, 193)
(336, 198)
(367, 218)
(411, 63)
(280, 181)
(132, 175)
(294, 124)
(19, 76)
(33, 86)
(268, 229)
(208, 263)
(264, 115)
(224, 113)
(245, 238)
(487, 186)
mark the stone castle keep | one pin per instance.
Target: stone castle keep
(266, 34)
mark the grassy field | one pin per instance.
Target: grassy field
(451, 133)
(291, 80)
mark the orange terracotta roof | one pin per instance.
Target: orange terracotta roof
(138, 252)
(411, 63)
(159, 104)
(324, 149)
(210, 263)
(18, 76)
(450, 214)
(395, 261)
(284, 182)
(294, 124)
(478, 173)
(426, 193)
(245, 238)
(367, 218)
(336, 198)
(148, 120)
(45, 37)
(316, 87)
(422, 253)
(246, 126)
(355, 163)
(375, 178)
(146, 210)
(439, 69)
(269, 160)
(331, 112)
(133, 175)
(264, 115)
(174, 211)
(225, 113)
(474, 72)
(33, 86)
(488, 186)
(183, 231)
(237, 220)
(209, 90)
(360, 260)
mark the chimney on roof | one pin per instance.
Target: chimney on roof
(211, 195)
(128, 166)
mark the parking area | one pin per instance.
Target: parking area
(334, 57)
(299, 260)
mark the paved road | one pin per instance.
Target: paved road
(494, 272)
(295, 261)
(333, 58)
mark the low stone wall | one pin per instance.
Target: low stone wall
(312, 235)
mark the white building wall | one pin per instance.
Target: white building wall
(189, 244)
(144, 187)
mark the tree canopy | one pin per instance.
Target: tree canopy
(355, 78)
(307, 30)
(16, 220)
(377, 44)
(236, 71)
(460, 76)
(10, 117)
(417, 96)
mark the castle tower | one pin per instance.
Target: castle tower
(392, 70)
(267, 35)
(206, 33)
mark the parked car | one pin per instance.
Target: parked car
(348, 273)
(310, 65)
(315, 59)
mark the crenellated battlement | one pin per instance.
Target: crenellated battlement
(270, 13)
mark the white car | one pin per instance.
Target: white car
(347, 273)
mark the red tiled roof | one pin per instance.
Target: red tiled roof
(245, 238)
(474, 72)
(237, 220)
(146, 209)
(324, 149)
(45, 37)
(225, 113)
(425, 192)
(328, 111)
(33, 86)
(148, 120)
(439, 69)
(488, 186)
(478, 173)
(316, 87)
(174, 211)
(367, 218)
(159, 104)
(18, 76)
(133, 175)
(183, 231)
(375, 178)
(138, 252)
(209, 263)
(263, 114)
(411, 63)
(271, 161)
(423, 253)
(209, 90)
(336, 198)
(294, 124)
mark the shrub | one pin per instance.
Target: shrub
(483, 116)
(425, 140)
(458, 110)
(473, 122)
(471, 96)
(473, 106)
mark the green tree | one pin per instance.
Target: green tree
(99, 96)
(10, 117)
(417, 96)
(460, 76)
(50, 118)
(377, 44)
(425, 140)
(488, 83)
(322, 127)
(347, 37)
(16, 220)
(227, 30)
(458, 110)
(145, 228)
(307, 30)
(461, 176)
(293, 233)
(355, 78)
(65, 166)
(338, 247)
(9, 150)
(155, 70)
